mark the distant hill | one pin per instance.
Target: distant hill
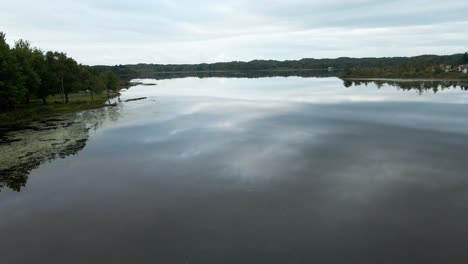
(413, 65)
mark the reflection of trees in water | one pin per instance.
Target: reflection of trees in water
(420, 86)
(237, 74)
(26, 149)
(113, 113)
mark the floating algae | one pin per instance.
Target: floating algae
(25, 149)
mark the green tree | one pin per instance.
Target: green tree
(97, 84)
(27, 73)
(71, 77)
(11, 84)
(29, 64)
(64, 74)
(112, 83)
(40, 67)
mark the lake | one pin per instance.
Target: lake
(244, 170)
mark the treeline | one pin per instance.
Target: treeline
(27, 73)
(414, 65)
(239, 74)
(418, 67)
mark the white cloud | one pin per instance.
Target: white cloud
(162, 31)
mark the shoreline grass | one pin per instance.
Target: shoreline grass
(35, 110)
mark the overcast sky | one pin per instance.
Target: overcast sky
(189, 31)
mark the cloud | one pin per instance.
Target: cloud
(163, 31)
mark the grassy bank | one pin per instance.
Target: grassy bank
(35, 110)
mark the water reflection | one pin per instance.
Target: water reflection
(307, 90)
(26, 148)
(420, 86)
(235, 74)
(274, 170)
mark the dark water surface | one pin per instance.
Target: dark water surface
(273, 170)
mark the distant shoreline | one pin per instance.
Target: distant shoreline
(419, 79)
(232, 71)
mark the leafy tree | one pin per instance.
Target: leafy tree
(97, 84)
(112, 82)
(29, 63)
(28, 73)
(63, 74)
(11, 84)
(55, 73)
(40, 67)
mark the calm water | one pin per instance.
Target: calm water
(272, 170)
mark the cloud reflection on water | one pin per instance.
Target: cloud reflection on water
(250, 173)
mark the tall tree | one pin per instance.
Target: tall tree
(64, 73)
(29, 65)
(27, 73)
(97, 84)
(112, 83)
(11, 84)
(40, 67)
(71, 77)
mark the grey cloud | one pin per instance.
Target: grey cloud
(163, 31)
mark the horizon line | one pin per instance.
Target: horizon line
(288, 60)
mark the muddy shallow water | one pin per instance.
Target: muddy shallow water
(270, 170)
(25, 149)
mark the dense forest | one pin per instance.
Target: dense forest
(29, 76)
(416, 67)
(420, 66)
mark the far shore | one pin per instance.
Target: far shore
(403, 79)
